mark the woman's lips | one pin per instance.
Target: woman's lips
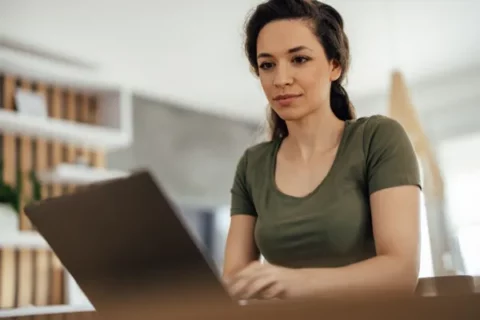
(286, 100)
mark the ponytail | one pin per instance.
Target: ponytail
(340, 102)
(278, 126)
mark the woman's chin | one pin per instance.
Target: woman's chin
(291, 114)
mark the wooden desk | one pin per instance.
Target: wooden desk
(458, 307)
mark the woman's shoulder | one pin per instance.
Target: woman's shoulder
(377, 126)
(256, 158)
(382, 134)
(260, 150)
(375, 122)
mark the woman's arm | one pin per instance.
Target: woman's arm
(240, 248)
(395, 215)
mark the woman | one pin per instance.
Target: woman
(331, 202)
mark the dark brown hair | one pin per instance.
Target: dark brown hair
(328, 27)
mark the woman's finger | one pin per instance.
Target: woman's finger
(251, 283)
(275, 291)
(254, 288)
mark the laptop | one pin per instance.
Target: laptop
(123, 242)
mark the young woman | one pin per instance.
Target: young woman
(331, 202)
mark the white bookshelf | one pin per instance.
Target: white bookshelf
(78, 174)
(114, 130)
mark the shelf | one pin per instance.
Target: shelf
(11, 237)
(22, 240)
(65, 131)
(78, 174)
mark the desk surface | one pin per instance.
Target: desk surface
(462, 307)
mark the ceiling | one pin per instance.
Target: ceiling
(190, 53)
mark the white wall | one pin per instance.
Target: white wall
(192, 155)
(460, 161)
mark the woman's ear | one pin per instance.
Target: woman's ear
(335, 70)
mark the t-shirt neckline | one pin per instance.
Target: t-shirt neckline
(325, 180)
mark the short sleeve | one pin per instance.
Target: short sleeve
(391, 158)
(241, 198)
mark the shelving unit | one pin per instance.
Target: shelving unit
(113, 128)
(87, 117)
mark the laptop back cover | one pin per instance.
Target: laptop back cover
(121, 240)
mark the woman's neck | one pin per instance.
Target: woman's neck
(316, 133)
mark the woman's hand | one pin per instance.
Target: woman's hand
(266, 281)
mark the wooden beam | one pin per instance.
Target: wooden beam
(402, 109)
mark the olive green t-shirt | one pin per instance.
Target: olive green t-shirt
(332, 225)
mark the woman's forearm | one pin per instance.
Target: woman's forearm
(379, 275)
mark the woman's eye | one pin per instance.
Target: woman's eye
(300, 60)
(266, 65)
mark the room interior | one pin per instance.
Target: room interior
(90, 95)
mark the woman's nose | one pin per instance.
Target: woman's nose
(282, 76)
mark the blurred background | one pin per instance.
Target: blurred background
(93, 89)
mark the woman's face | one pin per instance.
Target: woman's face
(293, 69)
